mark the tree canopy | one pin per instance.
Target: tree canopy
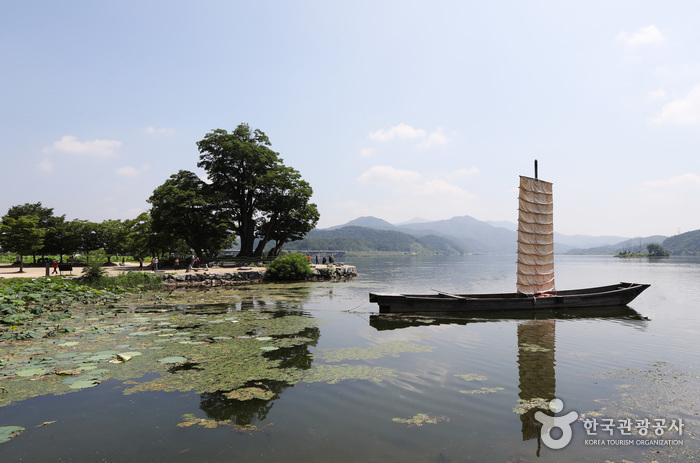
(185, 208)
(21, 236)
(261, 195)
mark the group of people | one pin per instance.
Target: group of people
(323, 261)
(195, 263)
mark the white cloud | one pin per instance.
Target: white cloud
(644, 36)
(437, 137)
(69, 144)
(159, 131)
(130, 171)
(366, 152)
(683, 111)
(464, 172)
(401, 131)
(406, 132)
(45, 166)
(657, 94)
(380, 175)
(684, 180)
(441, 188)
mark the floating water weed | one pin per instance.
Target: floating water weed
(483, 390)
(472, 377)
(191, 420)
(525, 406)
(420, 419)
(387, 349)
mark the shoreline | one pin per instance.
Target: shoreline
(180, 276)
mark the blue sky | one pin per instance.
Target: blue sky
(395, 109)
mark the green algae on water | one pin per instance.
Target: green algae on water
(332, 374)
(483, 390)
(420, 419)
(472, 377)
(387, 349)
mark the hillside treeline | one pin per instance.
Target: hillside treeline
(364, 239)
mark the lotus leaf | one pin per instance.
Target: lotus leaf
(84, 384)
(31, 371)
(8, 432)
(173, 360)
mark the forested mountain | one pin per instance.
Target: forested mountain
(634, 244)
(466, 234)
(685, 244)
(353, 238)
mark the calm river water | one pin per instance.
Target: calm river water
(459, 389)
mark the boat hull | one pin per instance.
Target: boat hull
(603, 296)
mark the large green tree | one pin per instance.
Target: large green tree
(245, 173)
(185, 208)
(141, 239)
(22, 236)
(47, 221)
(286, 214)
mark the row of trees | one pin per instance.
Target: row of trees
(31, 229)
(251, 195)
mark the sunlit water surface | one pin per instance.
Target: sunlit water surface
(635, 364)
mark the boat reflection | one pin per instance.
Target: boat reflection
(622, 314)
(536, 332)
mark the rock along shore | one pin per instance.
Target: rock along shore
(242, 275)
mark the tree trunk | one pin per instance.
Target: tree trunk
(21, 263)
(247, 235)
(266, 237)
(260, 248)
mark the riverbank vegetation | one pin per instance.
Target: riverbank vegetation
(251, 196)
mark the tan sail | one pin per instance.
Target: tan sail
(535, 237)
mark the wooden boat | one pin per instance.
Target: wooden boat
(535, 283)
(604, 296)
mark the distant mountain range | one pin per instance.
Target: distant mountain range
(457, 235)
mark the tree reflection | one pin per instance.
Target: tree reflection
(219, 407)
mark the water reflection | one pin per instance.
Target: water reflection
(536, 336)
(391, 321)
(536, 342)
(218, 406)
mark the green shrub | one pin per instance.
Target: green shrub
(289, 267)
(141, 281)
(93, 270)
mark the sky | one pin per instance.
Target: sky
(391, 109)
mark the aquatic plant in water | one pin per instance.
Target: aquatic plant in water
(472, 377)
(333, 374)
(483, 390)
(191, 420)
(420, 419)
(525, 406)
(386, 349)
(8, 432)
